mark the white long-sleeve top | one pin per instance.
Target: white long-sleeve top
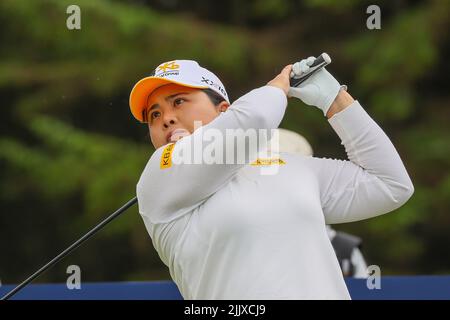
(228, 232)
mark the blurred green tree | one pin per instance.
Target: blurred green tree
(71, 152)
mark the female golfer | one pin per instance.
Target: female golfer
(225, 230)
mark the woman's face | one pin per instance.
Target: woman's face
(173, 107)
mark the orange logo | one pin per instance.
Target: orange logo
(166, 157)
(168, 65)
(267, 162)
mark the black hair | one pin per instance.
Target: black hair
(213, 96)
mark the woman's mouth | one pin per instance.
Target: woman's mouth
(177, 134)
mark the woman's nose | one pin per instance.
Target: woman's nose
(169, 120)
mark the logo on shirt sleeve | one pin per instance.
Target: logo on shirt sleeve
(166, 157)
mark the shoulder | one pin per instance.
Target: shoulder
(155, 164)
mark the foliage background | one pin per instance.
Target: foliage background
(71, 153)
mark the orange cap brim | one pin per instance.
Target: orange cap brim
(143, 88)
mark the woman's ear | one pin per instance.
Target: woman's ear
(223, 106)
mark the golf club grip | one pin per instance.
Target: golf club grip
(320, 59)
(320, 62)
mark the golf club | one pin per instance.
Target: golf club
(75, 245)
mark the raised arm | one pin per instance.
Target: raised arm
(374, 181)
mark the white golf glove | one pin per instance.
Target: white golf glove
(319, 90)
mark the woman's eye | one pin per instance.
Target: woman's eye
(178, 101)
(155, 114)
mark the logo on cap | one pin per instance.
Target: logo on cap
(215, 85)
(168, 65)
(166, 69)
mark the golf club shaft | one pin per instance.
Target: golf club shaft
(320, 62)
(71, 248)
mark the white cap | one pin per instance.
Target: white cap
(186, 73)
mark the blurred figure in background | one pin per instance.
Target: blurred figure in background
(348, 252)
(347, 247)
